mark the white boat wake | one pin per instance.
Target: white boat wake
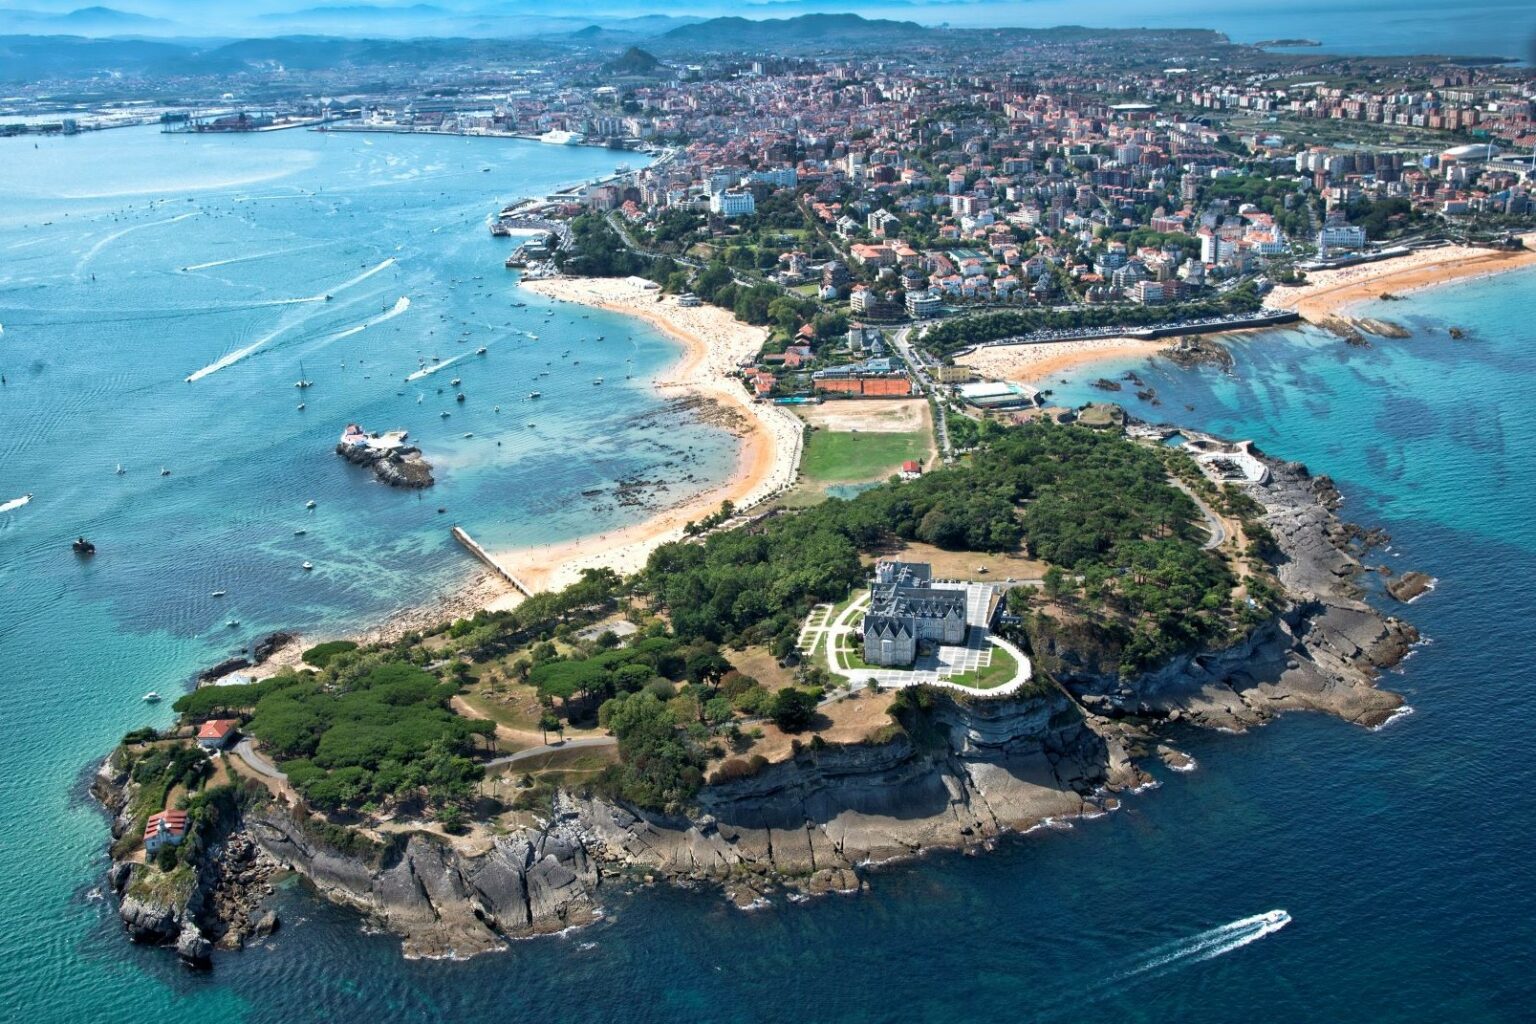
(255, 256)
(360, 278)
(400, 306)
(15, 503)
(101, 244)
(1208, 945)
(233, 357)
(427, 371)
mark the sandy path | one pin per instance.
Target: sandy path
(715, 347)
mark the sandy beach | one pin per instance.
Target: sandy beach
(1039, 364)
(1329, 291)
(715, 345)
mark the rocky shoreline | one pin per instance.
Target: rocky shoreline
(958, 774)
(216, 904)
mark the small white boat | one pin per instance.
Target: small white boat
(533, 394)
(151, 697)
(164, 471)
(310, 503)
(299, 533)
(454, 383)
(218, 593)
(480, 351)
(597, 381)
(301, 407)
(467, 436)
(120, 470)
(306, 566)
(445, 414)
(232, 623)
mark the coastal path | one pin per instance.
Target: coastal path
(583, 743)
(258, 761)
(1213, 523)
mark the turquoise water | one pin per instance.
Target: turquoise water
(131, 260)
(1399, 854)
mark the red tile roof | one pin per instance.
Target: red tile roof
(175, 822)
(217, 728)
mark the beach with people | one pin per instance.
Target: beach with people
(715, 345)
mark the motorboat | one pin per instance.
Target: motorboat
(307, 566)
(151, 698)
(82, 546)
(310, 503)
(218, 593)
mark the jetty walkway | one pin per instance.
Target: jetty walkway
(473, 547)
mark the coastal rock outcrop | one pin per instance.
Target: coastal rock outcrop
(211, 899)
(391, 459)
(1322, 653)
(444, 899)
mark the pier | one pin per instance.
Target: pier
(473, 547)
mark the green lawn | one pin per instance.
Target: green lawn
(839, 457)
(1003, 666)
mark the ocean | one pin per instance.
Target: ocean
(1397, 856)
(1479, 28)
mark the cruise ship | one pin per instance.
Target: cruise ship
(557, 137)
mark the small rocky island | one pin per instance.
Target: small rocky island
(392, 459)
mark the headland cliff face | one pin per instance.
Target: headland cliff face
(958, 771)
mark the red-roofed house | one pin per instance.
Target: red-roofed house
(165, 828)
(217, 733)
(797, 356)
(911, 469)
(762, 384)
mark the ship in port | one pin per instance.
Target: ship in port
(559, 137)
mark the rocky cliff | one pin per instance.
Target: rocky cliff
(446, 900)
(211, 899)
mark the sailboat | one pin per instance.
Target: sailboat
(120, 470)
(303, 381)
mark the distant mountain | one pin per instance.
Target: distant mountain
(634, 61)
(804, 30)
(90, 21)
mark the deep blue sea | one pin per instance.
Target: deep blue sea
(1481, 28)
(1401, 855)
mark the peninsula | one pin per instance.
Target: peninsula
(926, 609)
(676, 723)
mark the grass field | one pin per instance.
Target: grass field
(1003, 666)
(836, 457)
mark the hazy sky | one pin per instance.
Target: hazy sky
(1501, 27)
